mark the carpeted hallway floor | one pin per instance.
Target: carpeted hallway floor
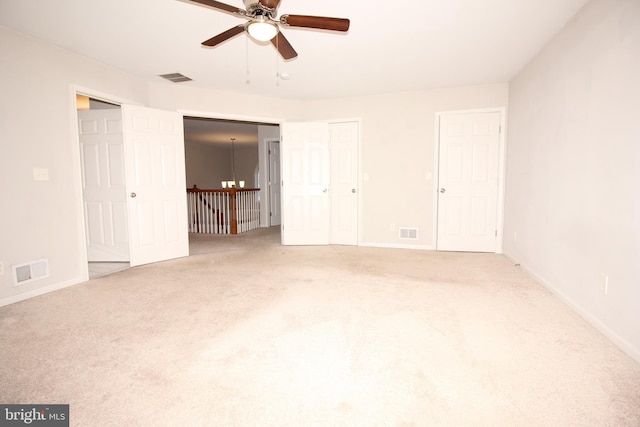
(246, 332)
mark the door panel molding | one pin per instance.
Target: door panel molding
(320, 193)
(304, 149)
(479, 174)
(156, 184)
(103, 184)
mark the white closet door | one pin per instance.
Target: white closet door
(468, 182)
(344, 183)
(304, 148)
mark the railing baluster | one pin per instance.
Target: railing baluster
(211, 211)
(215, 215)
(207, 198)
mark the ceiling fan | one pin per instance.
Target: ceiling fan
(263, 26)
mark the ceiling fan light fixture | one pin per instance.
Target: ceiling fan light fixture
(262, 30)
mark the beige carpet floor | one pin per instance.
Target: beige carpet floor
(246, 332)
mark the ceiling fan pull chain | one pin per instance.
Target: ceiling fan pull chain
(247, 59)
(277, 61)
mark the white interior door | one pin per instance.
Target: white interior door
(468, 182)
(156, 184)
(304, 148)
(344, 183)
(275, 216)
(103, 185)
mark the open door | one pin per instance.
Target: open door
(304, 148)
(155, 184)
(103, 184)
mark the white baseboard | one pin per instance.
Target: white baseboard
(39, 291)
(623, 344)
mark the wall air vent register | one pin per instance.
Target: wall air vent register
(34, 270)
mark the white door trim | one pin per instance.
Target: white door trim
(236, 117)
(501, 169)
(268, 192)
(81, 243)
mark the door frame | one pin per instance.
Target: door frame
(75, 90)
(501, 169)
(262, 151)
(267, 143)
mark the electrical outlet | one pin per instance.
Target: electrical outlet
(515, 236)
(1, 268)
(392, 227)
(604, 284)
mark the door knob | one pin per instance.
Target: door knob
(353, 190)
(324, 190)
(133, 194)
(442, 190)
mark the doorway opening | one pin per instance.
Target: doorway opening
(221, 150)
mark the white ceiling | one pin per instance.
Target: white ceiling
(391, 46)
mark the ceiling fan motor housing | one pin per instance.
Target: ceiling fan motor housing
(255, 8)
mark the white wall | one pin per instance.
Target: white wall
(219, 104)
(246, 164)
(38, 129)
(208, 165)
(398, 146)
(573, 170)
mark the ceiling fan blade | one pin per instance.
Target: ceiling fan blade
(270, 4)
(231, 32)
(284, 47)
(319, 22)
(222, 6)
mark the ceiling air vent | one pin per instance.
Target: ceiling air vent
(175, 77)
